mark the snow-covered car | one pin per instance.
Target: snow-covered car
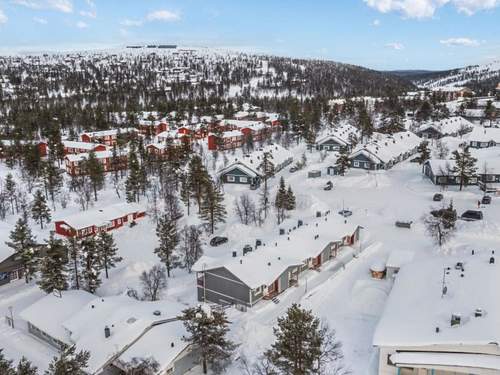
(486, 199)
(216, 241)
(345, 213)
(472, 215)
(328, 186)
(293, 169)
(438, 197)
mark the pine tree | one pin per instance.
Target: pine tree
(490, 111)
(364, 122)
(52, 179)
(95, 171)
(266, 167)
(212, 207)
(168, 239)
(53, 273)
(185, 194)
(207, 331)
(69, 362)
(290, 201)
(107, 251)
(425, 154)
(303, 346)
(343, 163)
(280, 200)
(264, 200)
(6, 365)
(91, 265)
(133, 184)
(11, 192)
(74, 251)
(198, 179)
(25, 367)
(23, 243)
(40, 212)
(465, 166)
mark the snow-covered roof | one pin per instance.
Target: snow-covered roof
(163, 342)
(104, 133)
(464, 360)
(450, 125)
(488, 160)
(49, 312)
(126, 318)
(416, 305)
(254, 159)
(266, 263)
(5, 251)
(441, 165)
(243, 167)
(386, 147)
(84, 156)
(81, 145)
(481, 134)
(398, 258)
(100, 216)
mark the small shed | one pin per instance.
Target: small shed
(396, 260)
(314, 174)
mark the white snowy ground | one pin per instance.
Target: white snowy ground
(347, 299)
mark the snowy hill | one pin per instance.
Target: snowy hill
(471, 76)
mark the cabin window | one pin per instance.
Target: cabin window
(243, 180)
(356, 163)
(230, 178)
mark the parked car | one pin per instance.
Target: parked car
(345, 213)
(216, 241)
(293, 169)
(486, 199)
(472, 215)
(438, 197)
(247, 249)
(328, 186)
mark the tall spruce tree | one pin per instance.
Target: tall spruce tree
(185, 193)
(91, 265)
(168, 239)
(52, 180)
(266, 167)
(303, 346)
(423, 150)
(207, 331)
(343, 163)
(40, 211)
(213, 210)
(69, 362)
(198, 179)
(107, 251)
(10, 191)
(95, 171)
(281, 200)
(25, 367)
(290, 201)
(74, 265)
(23, 243)
(53, 266)
(465, 166)
(133, 183)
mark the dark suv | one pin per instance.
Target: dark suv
(471, 215)
(216, 241)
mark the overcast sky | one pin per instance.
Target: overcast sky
(380, 34)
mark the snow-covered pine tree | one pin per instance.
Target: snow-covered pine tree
(40, 211)
(290, 201)
(343, 163)
(53, 272)
(69, 362)
(185, 194)
(133, 183)
(213, 210)
(168, 239)
(198, 179)
(266, 167)
(52, 180)
(6, 365)
(303, 346)
(423, 150)
(207, 331)
(465, 166)
(23, 243)
(91, 265)
(280, 200)
(25, 367)
(10, 189)
(107, 251)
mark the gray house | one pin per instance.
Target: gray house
(440, 172)
(365, 159)
(239, 173)
(271, 269)
(332, 143)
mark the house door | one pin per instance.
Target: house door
(130, 218)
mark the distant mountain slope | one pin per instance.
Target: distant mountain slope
(479, 78)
